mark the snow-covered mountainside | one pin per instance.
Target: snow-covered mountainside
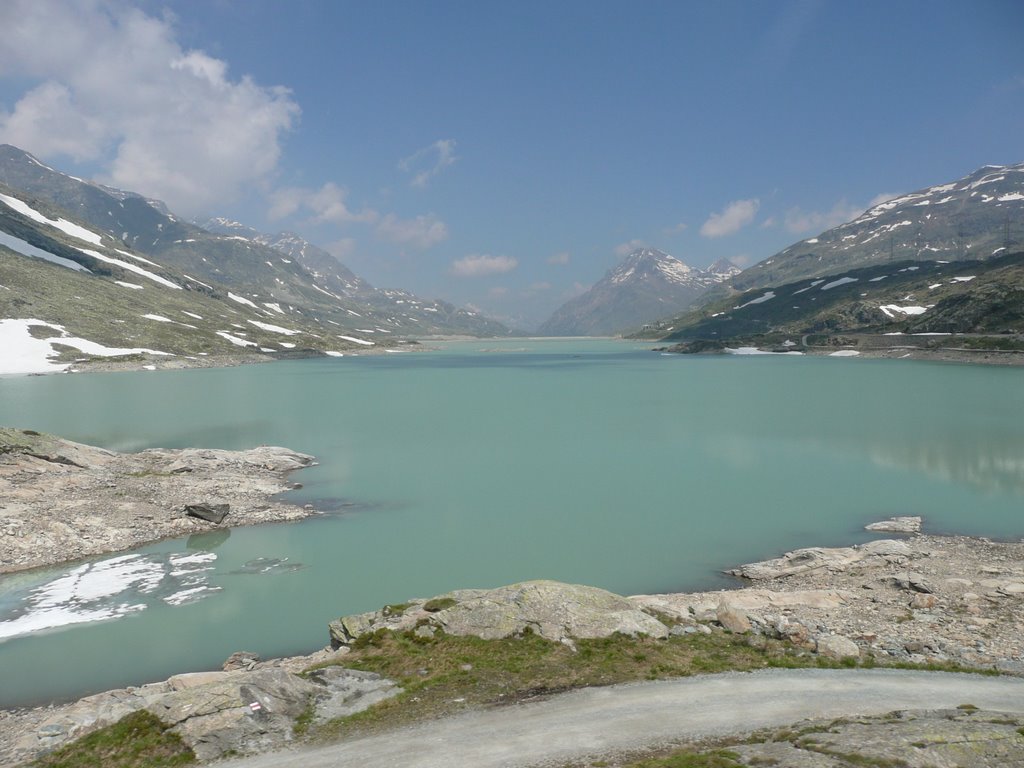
(976, 217)
(321, 289)
(647, 285)
(429, 315)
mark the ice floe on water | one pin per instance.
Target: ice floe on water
(756, 351)
(269, 565)
(103, 589)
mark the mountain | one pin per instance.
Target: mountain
(69, 291)
(424, 315)
(976, 217)
(945, 259)
(984, 296)
(646, 285)
(314, 288)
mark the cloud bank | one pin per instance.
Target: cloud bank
(477, 265)
(110, 84)
(731, 219)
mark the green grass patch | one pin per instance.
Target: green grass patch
(138, 740)
(446, 674)
(718, 758)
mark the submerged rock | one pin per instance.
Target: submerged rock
(903, 524)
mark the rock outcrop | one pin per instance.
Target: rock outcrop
(903, 524)
(61, 501)
(244, 711)
(556, 611)
(832, 559)
(945, 737)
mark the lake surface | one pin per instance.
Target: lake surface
(490, 462)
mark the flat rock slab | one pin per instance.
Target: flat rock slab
(905, 524)
(61, 501)
(551, 609)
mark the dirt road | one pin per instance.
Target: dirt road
(601, 721)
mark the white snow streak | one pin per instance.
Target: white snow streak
(131, 268)
(65, 226)
(241, 299)
(274, 328)
(364, 342)
(837, 283)
(27, 249)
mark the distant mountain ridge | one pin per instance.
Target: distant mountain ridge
(975, 217)
(645, 286)
(316, 286)
(945, 259)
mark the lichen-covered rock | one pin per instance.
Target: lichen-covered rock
(732, 619)
(551, 609)
(65, 500)
(837, 647)
(240, 711)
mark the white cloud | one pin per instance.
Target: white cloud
(426, 163)
(881, 198)
(624, 249)
(732, 218)
(798, 221)
(419, 232)
(497, 291)
(111, 85)
(680, 227)
(559, 259)
(326, 204)
(541, 286)
(476, 265)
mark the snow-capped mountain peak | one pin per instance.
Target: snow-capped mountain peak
(646, 285)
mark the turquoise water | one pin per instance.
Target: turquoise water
(485, 463)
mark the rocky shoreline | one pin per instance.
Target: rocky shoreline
(61, 501)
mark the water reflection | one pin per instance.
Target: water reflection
(208, 541)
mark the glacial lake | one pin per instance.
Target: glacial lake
(489, 462)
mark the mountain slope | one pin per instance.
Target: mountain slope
(938, 296)
(424, 316)
(976, 217)
(646, 285)
(254, 270)
(68, 291)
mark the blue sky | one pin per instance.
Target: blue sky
(505, 155)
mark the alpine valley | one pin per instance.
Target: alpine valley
(96, 272)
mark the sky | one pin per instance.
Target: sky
(504, 156)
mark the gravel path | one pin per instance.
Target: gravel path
(597, 722)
